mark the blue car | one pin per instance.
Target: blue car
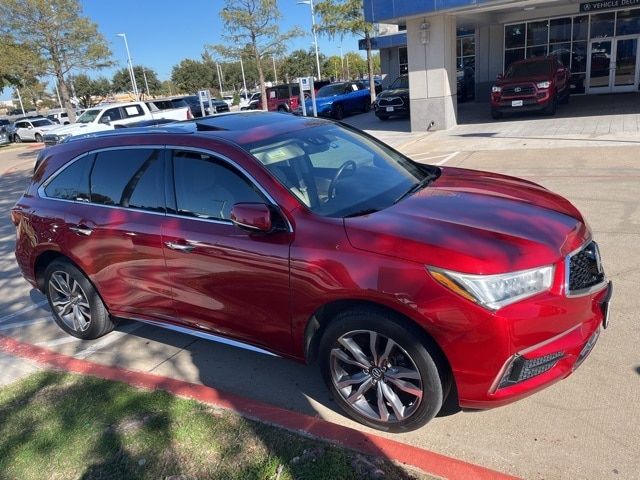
(339, 99)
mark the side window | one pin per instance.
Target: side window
(72, 183)
(21, 125)
(132, 111)
(129, 178)
(208, 188)
(112, 113)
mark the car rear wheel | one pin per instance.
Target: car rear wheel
(38, 138)
(379, 371)
(77, 308)
(338, 112)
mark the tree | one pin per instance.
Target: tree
(121, 81)
(91, 92)
(341, 17)
(252, 25)
(191, 75)
(300, 63)
(60, 36)
(19, 65)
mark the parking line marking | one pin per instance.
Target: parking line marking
(108, 340)
(23, 310)
(59, 341)
(421, 157)
(447, 158)
(24, 323)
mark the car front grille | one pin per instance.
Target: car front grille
(585, 269)
(518, 90)
(51, 140)
(390, 102)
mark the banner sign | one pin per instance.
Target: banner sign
(607, 5)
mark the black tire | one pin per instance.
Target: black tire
(383, 117)
(17, 139)
(496, 114)
(565, 97)
(366, 108)
(38, 138)
(338, 112)
(412, 348)
(99, 323)
(283, 109)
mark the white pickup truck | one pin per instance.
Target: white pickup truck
(108, 117)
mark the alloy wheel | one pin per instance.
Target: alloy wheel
(375, 376)
(69, 301)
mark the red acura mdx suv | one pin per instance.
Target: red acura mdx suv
(411, 284)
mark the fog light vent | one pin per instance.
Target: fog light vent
(523, 369)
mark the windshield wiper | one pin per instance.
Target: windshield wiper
(359, 213)
(416, 187)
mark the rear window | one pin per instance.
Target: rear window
(72, 183)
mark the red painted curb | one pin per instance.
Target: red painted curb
(367, 443)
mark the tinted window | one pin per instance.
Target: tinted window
(128, 178)
(42, 123)
(73, 182)
(112, 113)
(528, 69)
(208, 188)
(400, 82)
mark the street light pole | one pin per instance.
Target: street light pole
(131, 72)
(313, 30)
(244, 81)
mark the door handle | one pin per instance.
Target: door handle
(179, 247)
(81, 230)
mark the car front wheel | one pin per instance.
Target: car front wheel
(380, 372)
(338, 112)
(77, 308)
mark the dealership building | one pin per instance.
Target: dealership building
(433, 41)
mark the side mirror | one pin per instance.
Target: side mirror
(30, 127)
(253, 217)
(106, 119)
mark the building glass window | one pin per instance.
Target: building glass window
(466, 51)
(628, 22)
(514, 35)
(403, 60)
(580, 27)
(602, 25)
(538, 33)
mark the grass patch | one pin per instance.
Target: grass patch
(62, 426)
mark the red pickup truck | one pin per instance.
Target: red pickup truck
(534, 84)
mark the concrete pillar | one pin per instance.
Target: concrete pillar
(431, 47)
(489, 53)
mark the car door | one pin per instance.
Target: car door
(24, 130)
(225, 280)
(114, 230)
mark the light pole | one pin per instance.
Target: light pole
(341, 64)
(244, 81)
(131, 73)
(313, 30)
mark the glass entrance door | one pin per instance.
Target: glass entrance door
(599, 67)
(625, 73)
(613, 65)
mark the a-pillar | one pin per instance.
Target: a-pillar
(431, 47)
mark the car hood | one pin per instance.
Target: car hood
(72, 129)
(474, 222)
(520, 80)
(46, 128)
(396, 92)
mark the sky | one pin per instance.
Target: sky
(160, 33)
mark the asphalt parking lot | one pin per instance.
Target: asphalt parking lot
(585, 427)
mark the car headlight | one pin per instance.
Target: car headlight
(496, 291)
(496, 89)
(543, 84)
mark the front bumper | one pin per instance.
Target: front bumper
(535, 367)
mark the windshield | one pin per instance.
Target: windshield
(400, 82)
(527, 69)
(331, 90)
(42, 123)
(88, 116)
(338, 172)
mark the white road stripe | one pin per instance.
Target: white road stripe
(421, 156)
(59, 341)
(23, 310)
(108, 340)
(448, 157)
(25, 323)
